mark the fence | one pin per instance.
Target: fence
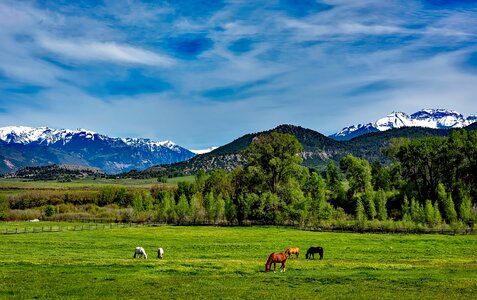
(58, 228)
(96, 224)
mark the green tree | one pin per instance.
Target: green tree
(380, 177)
(422, 162)
(417, 212)
(358, 173)
(219, 182)
(197, 211)
(219, 208)
(429, 212)
(210, 207)
(137, 202)
(437, 214)
(406, 210)
(49, 210)
(367, 199)
(447, 204)
(273, 159)
(230, 210)
(381, 200)
(315, 188)
(465, 209)
(182, 209)
(360, 211)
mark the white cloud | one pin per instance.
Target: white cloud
(104, 51)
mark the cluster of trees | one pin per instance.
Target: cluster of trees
(432, 181)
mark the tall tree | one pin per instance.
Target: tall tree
(274, 158)
(358, 172)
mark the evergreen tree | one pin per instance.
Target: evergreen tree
(417, 212)
(447, 204)
(429, 213)
(465, 209)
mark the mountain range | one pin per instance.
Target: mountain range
(428, 118)
(22, 146)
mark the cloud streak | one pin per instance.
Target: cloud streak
(105, 51)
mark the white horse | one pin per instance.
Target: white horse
(160, 253)
(140, 252)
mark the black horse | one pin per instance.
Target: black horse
(313, 250)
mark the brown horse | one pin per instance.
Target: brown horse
(292, 250)
(274, 259)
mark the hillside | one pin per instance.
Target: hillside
(56, 172)
(317, 149)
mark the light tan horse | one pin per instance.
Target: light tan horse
(274, 259)
(293, 250)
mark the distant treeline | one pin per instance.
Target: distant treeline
(431, 182)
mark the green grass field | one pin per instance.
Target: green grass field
(228, 262)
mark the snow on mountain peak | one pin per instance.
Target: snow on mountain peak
(430, 118)
(203, 151)
(46, 136)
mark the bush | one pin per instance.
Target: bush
(50, 210)
(23, 214)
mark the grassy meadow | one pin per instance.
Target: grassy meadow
(228, 262)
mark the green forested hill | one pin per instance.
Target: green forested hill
(318, 149)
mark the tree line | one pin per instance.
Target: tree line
(431, 182)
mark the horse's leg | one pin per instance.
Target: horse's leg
(274, 267)
(282, 268)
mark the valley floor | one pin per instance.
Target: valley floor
(213, 263)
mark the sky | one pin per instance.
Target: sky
(203, 73)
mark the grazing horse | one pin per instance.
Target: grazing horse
(313, 250)
(274, 259)
(140, 252)
(292, 250)
(160, 253)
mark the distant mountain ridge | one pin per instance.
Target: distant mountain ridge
(427, 118)
(22, 146)
(318, 149)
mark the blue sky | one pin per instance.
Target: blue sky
(202, 73)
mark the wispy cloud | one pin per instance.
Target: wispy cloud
(104, 51)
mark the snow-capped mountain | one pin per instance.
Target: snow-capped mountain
(110, 154)
(430, 118)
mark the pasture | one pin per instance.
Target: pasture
(228, 262)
